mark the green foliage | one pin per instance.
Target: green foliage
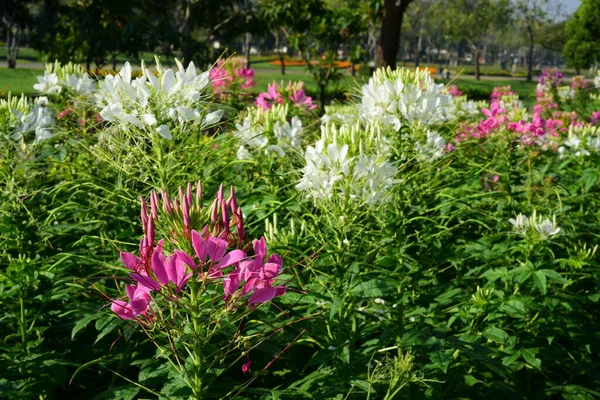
(583, 36)
(430, 295)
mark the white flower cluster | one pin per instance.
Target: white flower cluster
(350, 163)
(544, 228)
(460, 108)
(580, 141)
(432, 149)
(268, 131)
(396, 97)
(597, 81)
(70, 78)
(19, 117)
(170, 101)
(340, 114)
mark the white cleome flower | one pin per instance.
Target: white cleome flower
(268, 132)
(433, 147)
(395, 97)
(520, 224)
(350, 163)
(48, 84)
(175, 101)
(544, 227)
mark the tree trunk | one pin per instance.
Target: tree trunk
(13, 34)
(279, 53)
(352, 69)
(418, 51)
(322, 97)
(185, 39)
(530, 54)
(247, 41)
(477, 65)
(389, 41)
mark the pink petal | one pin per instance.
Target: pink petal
(199, 246)
(130, 289)
(159, 267)
(231, 258)
(270, 271)
(186, 258)
(251, 283)
(146, 281)
(263, 295)
(260, 250)
(231, 283)
(216, 249)
(177, 272)
(122, 310)
(139, 306)
(131, 261)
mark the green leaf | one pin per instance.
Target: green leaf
(334, 308)
(550, 273)
(507, 361)
(364, 385)
(539, 280)
(470, 380)
(496, 334)
(446, 297)
(375, 288)
(529, 356)
(82, 323)
(514, 307)
(441, 360)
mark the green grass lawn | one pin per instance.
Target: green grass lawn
(18, 80)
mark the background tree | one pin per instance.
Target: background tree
(391, 24)
(16, 18)
(474, 20)
(533, 14)
(286, 18)
(582, 49)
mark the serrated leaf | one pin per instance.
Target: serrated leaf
(550, 273)
(446, 297)
(496, 334)
(507, 361)
(529, 356)
(375, 288)
(335, 305)
(514, 307)
(539, 280)
(82, 323)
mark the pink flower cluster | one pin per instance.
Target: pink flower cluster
(157, 274)
(595, 118)
(545, 102)
(454, 91)
(551, 77)
(227, 74)
(497, 120)
(502, 91)
(579, 83)
(293, 93)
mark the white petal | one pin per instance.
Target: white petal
(164, 131)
